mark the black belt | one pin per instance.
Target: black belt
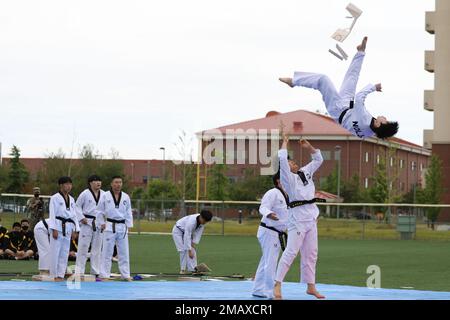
(64, 221)
(282, 236)
(93, 221)
(299, 203)
(114, 223)
(341, 117)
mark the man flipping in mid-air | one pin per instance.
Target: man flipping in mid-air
(344, 106)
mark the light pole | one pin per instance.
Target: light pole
(163, 179)
(164, 162)
(338, 156)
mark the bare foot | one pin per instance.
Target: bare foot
(362, 46)
(288, 81)
(277, 291)
(313, 291)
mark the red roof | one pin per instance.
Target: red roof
(300, 122)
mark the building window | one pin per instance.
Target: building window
(421, 166)
(378, 159)
(241, 156)
(401, 163)
(413, 165)
(233, 179)
(291, 154)
(144, 179)
(366, 183)
(391, 161)
(402, 186)
(326, 155)
(390, 185)
(366, 157)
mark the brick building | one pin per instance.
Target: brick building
(404, 159)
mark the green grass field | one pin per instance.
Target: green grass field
(423, 265)
(345, 229)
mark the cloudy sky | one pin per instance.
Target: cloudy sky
(130, 75)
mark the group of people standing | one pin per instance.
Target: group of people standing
(102, 220)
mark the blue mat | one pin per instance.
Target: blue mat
(197, 290)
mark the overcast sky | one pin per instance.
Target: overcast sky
(130, 75)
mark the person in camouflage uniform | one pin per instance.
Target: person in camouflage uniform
(35, 206)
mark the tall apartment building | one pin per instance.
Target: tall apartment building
(438, 100)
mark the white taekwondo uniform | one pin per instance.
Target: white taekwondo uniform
(63, 218)
(274, 201)
(90, 235)
(185, 232)
(42, 237)
(118, 217)
(357, 120)
(302, 221)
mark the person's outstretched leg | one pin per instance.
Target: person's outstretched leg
(320, 82)
(348, 87)
(295, 239)
(308, 261)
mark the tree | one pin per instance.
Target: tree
(55, 165)
(157, 188)
(191, 181)
(251, 187)
(379, 192)
(161, 194)
(351, 190)
(218, 183)
(392, 175)
(330, 183)
(3, 178)
(433, 190)
(89, 162)
(18, 175)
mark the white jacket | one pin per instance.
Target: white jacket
(192, 233)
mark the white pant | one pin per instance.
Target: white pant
(86, 238)
(41, 237)
(335, 102)
(109, 240)
(186, 263)
(303, 238)
(59, 253)
(265, 274)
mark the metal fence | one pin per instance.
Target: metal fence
(342, 221)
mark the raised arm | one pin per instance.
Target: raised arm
(361, 95)
(287, 179)
(316, 157)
